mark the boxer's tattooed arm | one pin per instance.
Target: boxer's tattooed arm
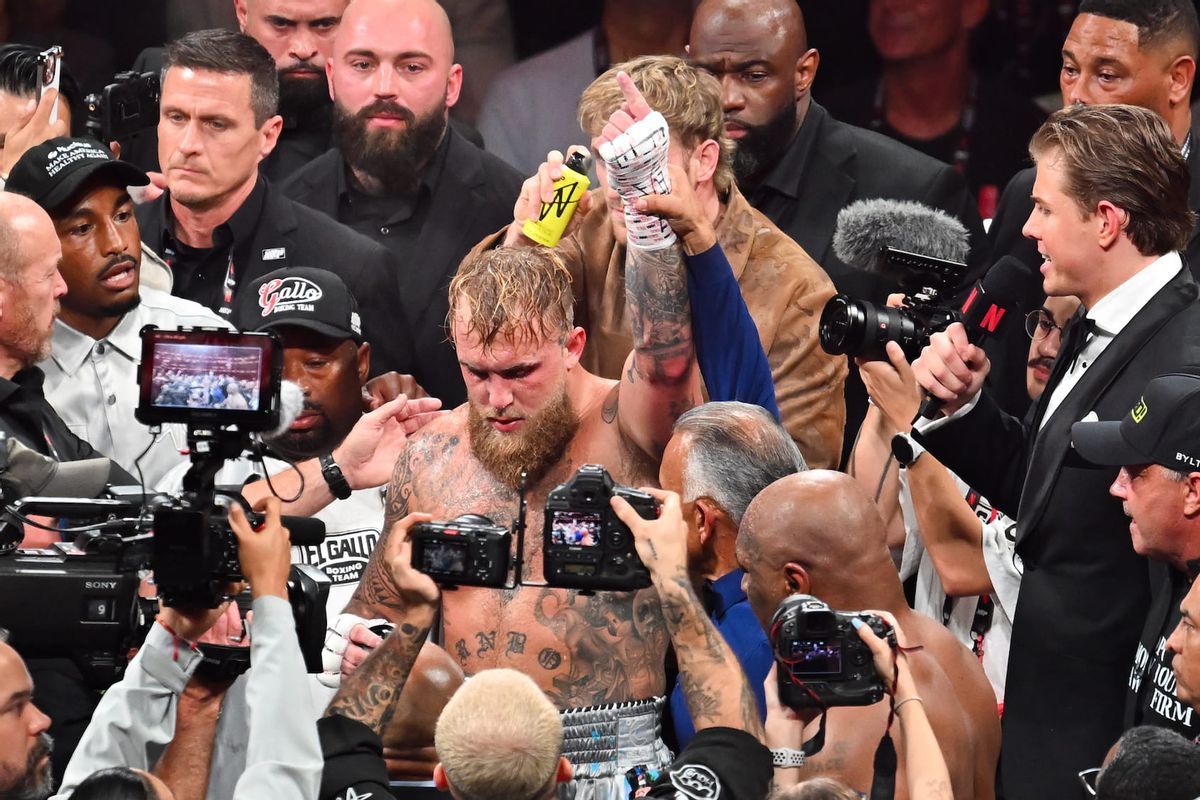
(369, 695)
(714, 685)
(660, 315)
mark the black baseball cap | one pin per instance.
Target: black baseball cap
(51, 173)
(1162, 428)
(304, 297)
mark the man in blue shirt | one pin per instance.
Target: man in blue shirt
(720, 456)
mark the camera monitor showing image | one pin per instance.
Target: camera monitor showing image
(209, 377)
(576, 528)
(816, 657)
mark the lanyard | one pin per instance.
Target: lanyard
(228, 285)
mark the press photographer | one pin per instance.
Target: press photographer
(136, 718)
(818, 533)
(491, 748)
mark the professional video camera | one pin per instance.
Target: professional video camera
(584, 545)
(80, 598)
(127, 106)
(862, 329)
(821, 660)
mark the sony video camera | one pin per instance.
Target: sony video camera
(127, 106)
(860, 328)
(821, 660)
(585, 545)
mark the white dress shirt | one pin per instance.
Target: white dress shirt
(1109, 317)
(93, 384)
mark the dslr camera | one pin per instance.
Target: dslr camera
(127, 106)
(821, 661)
(469, 550)
(860, 328)
(585, 546)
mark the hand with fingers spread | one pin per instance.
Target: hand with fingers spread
(368, 453)
(951, 368)
(682, 210)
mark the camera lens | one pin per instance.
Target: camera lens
(859, 328)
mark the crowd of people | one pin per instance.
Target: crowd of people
(1014, 513)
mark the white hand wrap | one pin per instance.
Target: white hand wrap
(337, 639)
(637, 166)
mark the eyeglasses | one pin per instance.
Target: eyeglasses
(1039, 325)
(1088, 779)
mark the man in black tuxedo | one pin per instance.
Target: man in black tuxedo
(1110, 215)
(400, 174)
(796, 163)
(1141, 52)
(221, 224)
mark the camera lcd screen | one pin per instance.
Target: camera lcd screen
(816, 657)
(576, 528)
(209, 377)
(448, 558)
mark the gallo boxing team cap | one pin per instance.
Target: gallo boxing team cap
(304, 297)
(51, 173)
(1162, 428)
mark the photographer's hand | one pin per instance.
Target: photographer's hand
(190, 624)
(266, 553)
(892, 387)
(417, 592)
(661, 543)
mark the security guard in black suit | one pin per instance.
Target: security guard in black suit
(220, 224)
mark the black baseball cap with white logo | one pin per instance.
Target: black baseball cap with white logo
(304, 297)
(51, 173)
(1162, 428)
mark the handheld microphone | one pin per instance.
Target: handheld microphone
(989, 304)
(304, 531)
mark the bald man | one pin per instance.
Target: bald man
(797, 164)
(818, 533)
(399, 174)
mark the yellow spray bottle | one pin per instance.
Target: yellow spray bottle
(548, 228)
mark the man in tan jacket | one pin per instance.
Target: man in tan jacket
(783, 288)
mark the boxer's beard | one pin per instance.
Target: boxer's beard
(303, 89)
(760, 148)
(541, 441)
(395, 158)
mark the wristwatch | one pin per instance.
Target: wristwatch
(334, 477)
(906, 449)
(787, 757)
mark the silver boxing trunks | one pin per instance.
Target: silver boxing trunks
(603, 742)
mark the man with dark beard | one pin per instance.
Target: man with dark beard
(797, 164)
(24, 744)
(399, 174)
(91, 373)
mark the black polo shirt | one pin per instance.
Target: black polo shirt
(209, 275)
(393, 220)
(27, 416)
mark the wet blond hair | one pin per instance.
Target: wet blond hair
(519, 293)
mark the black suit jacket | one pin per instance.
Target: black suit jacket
(1085, 593)
(295, 236)
(1009, 350)
(831, 164)
(474, 197)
